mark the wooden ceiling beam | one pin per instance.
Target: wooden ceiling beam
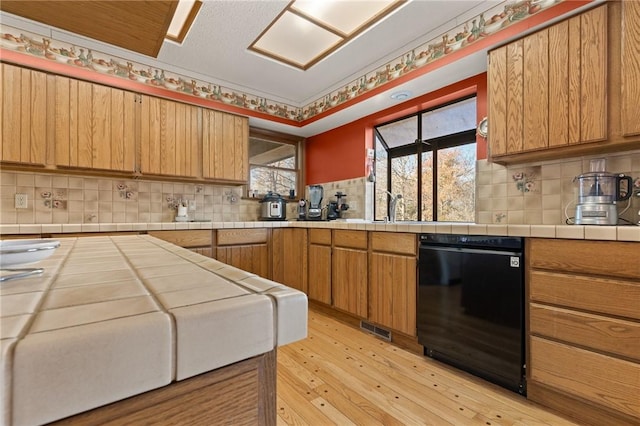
(136, 25)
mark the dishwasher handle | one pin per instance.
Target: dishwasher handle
(471, 250)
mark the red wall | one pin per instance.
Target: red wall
(340, 153)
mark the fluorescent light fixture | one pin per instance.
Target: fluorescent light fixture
(307, 31)
(183, 18)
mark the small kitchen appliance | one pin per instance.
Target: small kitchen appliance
(315, 199)
(273, 207)
(335, 208)
(598, 193)
(302, 209)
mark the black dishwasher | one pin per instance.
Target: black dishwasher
(470, 311)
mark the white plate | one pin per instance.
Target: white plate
(20, 252)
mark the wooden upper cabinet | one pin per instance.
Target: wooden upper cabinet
(497, 82)
(630, 68)
(593, 72)
(225, 146)
(168, 138)
(94, 126)
(24, 115)
(549, 89)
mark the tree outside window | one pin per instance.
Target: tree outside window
(273, 164)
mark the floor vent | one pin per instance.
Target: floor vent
(380, 332)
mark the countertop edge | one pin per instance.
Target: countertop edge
(587, 232)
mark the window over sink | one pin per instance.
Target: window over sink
(429, 158)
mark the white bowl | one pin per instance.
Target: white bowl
(19, 252)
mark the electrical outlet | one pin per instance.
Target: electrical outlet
(22, 202)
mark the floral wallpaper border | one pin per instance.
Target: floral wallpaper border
(489, 22)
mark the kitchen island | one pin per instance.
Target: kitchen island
(117, 317)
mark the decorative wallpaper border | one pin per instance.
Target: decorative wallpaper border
(476, 29)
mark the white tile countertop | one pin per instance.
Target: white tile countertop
(112, 317)
(589, 232)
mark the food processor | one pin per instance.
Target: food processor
(598, 194)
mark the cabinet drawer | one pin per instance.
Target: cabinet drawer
(601, 333)
(350, 239)
(601, 295)
(609, 258)
(601, 379)
(194, 238)
(320, 236)
(392, 242)
(226, 237)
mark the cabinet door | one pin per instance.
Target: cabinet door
(535, 91)
(630, 68)
(515, 99)
(289, 257)
(95, 126)
(169, 138)
(225, 142)
(320, 273)
(392, 292)
(497, 91)
(549, 89)
(24, 115)
(593, 72)
(251, 258)
(349, 280)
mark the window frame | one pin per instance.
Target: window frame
(420, 146)
(283, 138)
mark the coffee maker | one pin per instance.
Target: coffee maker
(599, 192)
(314, 212)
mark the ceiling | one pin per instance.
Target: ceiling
(216, 50)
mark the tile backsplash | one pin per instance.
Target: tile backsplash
(544, 192)
(56, 198)
(536, 194)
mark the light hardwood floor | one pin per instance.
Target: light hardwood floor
(343, 376)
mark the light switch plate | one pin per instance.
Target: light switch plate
(22, 202)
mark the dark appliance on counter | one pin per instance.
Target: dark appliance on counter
(302, 209)
(273, 207)
(470, 309)
(335, 208)
(316, 193)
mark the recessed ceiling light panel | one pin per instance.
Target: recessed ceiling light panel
(308, 41)
(309, 30)
(345, 16)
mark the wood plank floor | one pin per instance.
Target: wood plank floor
(343, 376)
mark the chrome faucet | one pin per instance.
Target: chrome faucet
(392, 206)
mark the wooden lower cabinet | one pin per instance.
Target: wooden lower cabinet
(246, 249)
(349, 272)
(289, 257)
(319, 269)
(584, 329)
(393, 281)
